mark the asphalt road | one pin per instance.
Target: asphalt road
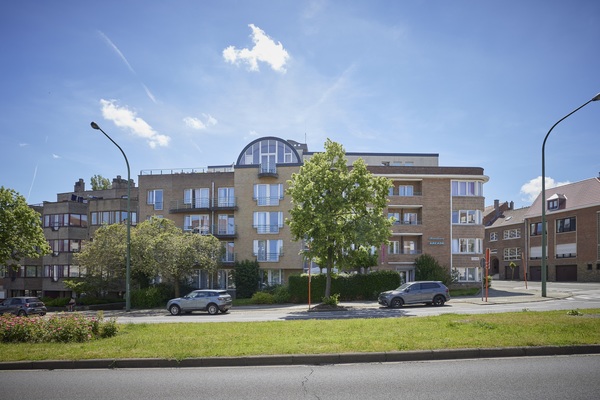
(505, 296)
(549, 378)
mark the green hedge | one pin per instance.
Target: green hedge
(349, 287)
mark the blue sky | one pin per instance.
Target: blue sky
(187, 84)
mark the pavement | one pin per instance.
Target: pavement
(502, 292)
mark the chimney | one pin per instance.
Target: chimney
(79, 186)
(512, 205)
(497, 207)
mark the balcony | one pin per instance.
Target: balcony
(203, 204)
(267, 170)
(262, 256)
(273, 228)
(227, 231)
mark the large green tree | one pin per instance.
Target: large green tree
(21, 233)
(337, 208)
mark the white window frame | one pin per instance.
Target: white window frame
(155, 198)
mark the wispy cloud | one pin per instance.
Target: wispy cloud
(126, 62)
(533, 188)
(200, 124)
(126, 118)
(23, 144)
(56, 156)
(265, 50)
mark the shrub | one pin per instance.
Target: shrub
(427, 268)
(263, 298)
(281, 295)
(62, 328)
(332, 300)
(152, 297)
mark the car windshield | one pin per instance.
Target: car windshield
(404, 286)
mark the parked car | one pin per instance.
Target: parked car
(23, 306)
(209, 300)
(428, 292)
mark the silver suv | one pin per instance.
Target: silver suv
(210, 300)
(428, 292)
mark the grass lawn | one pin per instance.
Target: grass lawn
(230, 339)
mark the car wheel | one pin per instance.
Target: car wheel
(212, 309)
(21, 313)
(397, 302)
(175, 309)
(439, 300)
(42, 314)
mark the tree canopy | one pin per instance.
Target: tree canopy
(158, 248)
(337, 209)
(100, 183)
(21, 233)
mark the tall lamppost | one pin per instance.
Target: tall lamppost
(544, 235)
(128, 262)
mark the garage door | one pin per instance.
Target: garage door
(566, 273)
(535, 273)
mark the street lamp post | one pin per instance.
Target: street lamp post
(128, 262)
(544, 235)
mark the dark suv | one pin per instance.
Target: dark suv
(428, 292)
(23, 306)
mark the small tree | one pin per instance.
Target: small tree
(427, 268)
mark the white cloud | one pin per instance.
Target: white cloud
(533, 188)
(125, 118)
(23, 144)
(198, 124)
(55, 156)
(265, 49)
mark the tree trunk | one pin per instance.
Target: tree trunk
(329, 269)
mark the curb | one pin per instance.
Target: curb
(305, 359)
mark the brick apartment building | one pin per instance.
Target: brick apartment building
(573, 236)
(438, 211)
(67, 223)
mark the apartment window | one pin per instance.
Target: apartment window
(409, 247)
(467, 274)
(226, 224)
(197, 198)
(268, 195)
(155, 198)
(467, 188)
(493, 236)
(197, 224)
(410, 218)
(405, 190)
(268, 250)
(566, 250)
(226, 197)
(33, 271)
(467, 217)
(553, 204)
(271, 277)
(229, 254)
(513, 253)
(268, 222)
(268, 152)
(535, 229)
(512, 233)
(466, 246)
(394, 247)
(396, 217)
(391, 191)
(566, 225)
